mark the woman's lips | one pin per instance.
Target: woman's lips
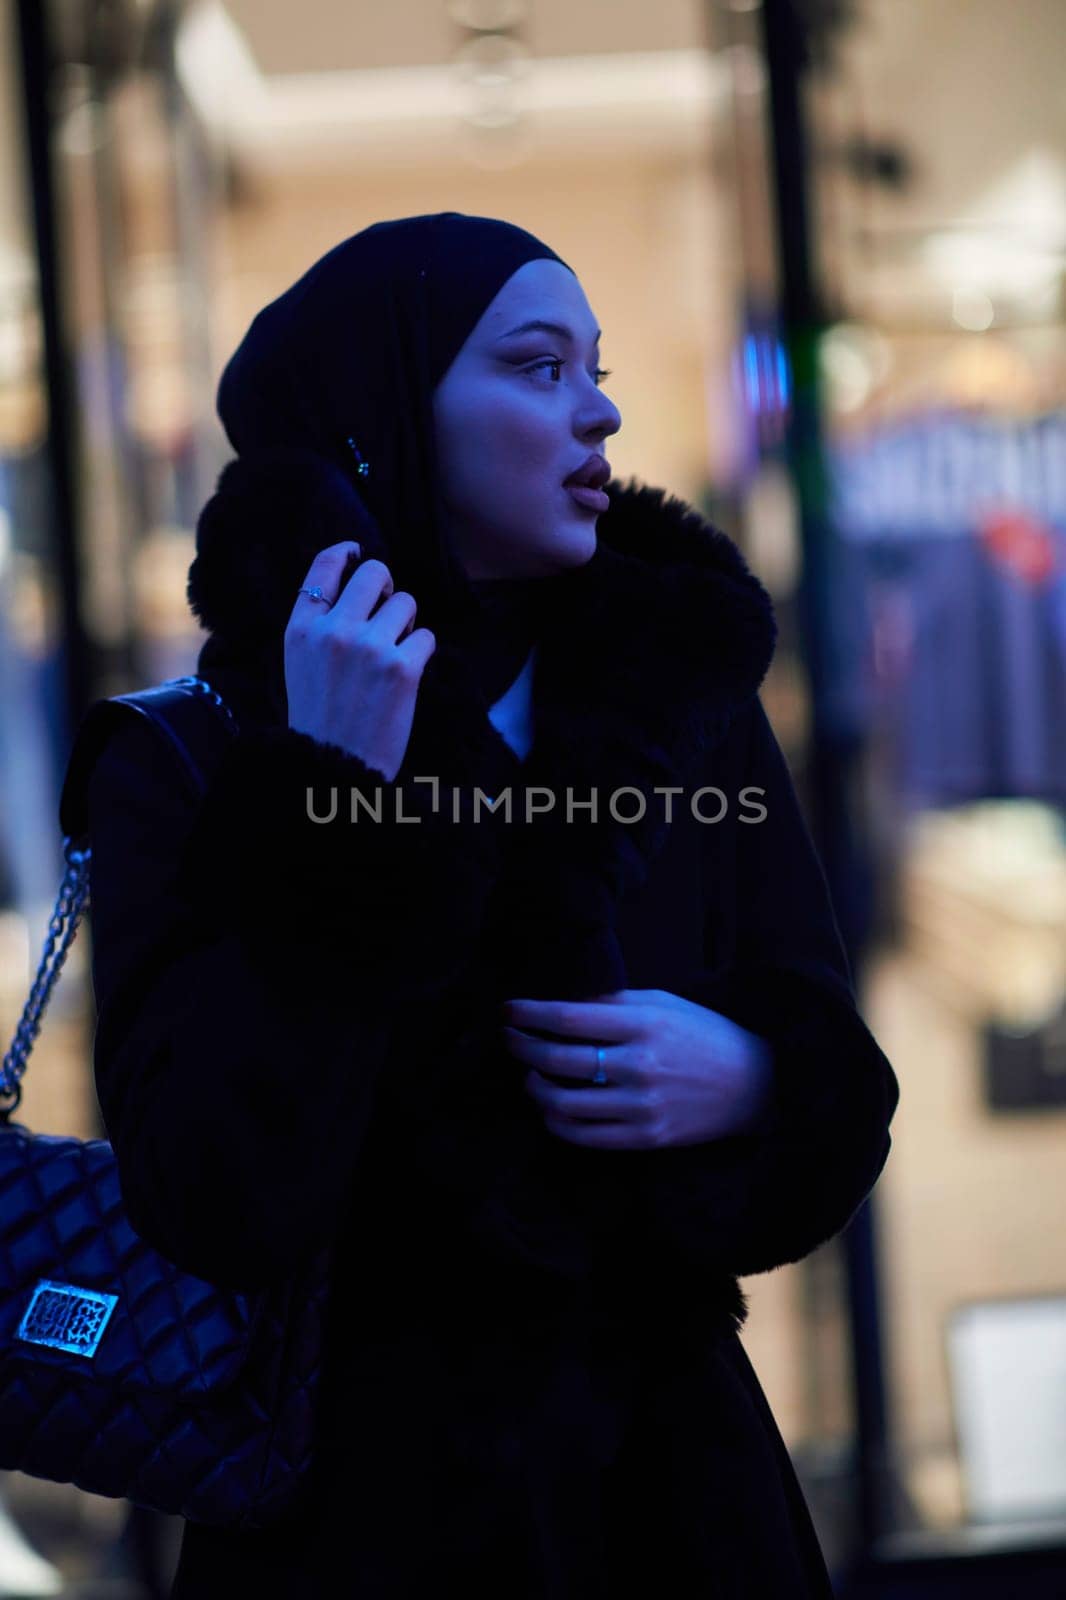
(591, 499)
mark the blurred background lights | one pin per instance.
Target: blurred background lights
(971, 308)
(487, 15)
(854, 361)
(1009, 245)
(491, 60)
(489, 67)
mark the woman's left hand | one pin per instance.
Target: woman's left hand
(677, 1072)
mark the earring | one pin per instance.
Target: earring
(362, 467)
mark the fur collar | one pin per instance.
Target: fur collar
(660, 638)
(666, 617)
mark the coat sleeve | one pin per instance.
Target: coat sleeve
(247, 966)
(755, 1200)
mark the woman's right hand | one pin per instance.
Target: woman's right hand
(352, 673)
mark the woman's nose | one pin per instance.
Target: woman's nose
(601, 419)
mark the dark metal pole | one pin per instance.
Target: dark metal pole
(833, 750)
(37, 75)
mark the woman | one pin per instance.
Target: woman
(549, 1085)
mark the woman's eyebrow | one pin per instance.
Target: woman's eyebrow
(539, 326)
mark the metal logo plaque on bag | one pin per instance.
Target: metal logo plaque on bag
(67, 1318)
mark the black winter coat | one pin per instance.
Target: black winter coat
(534, 1383)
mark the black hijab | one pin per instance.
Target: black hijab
(343, 365)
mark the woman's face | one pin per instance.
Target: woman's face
(515, 414)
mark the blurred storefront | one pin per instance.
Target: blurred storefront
(866, 392)
(913, 270)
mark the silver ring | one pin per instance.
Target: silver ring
(599, 1077)
(314, 594)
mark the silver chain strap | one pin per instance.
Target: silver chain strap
(71, 902)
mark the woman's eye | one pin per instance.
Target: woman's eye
(551, 362)
(558, 362)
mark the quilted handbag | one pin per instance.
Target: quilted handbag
(118, 1371)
